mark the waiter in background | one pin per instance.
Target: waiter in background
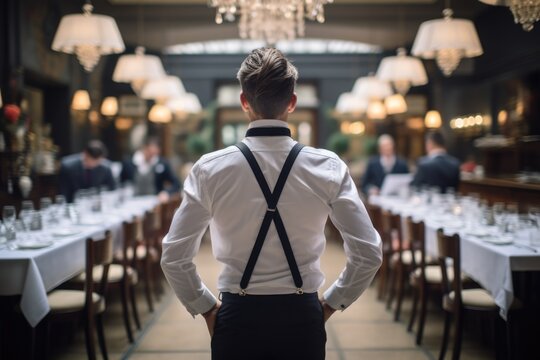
(267, 200)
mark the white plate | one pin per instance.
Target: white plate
(91, 221)
(499, 241)
(65, 232)
(32, 244)
(478, 232)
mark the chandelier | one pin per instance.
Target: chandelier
(270, 20)
(447, 40)
(88, 36)
(138, 69)
(526, 12)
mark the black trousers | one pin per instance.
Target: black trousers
(269, 327)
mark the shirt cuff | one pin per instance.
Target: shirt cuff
(335, 300)
(202, 304)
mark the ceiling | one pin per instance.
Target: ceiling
(158, 24)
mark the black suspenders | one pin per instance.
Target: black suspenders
(272, 213)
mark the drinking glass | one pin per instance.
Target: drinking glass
(9, 215)
(45, 203)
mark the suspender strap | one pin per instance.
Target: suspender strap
(272, 214)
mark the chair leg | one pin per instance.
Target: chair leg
(134, 306)
(391, 287)
(382, 280)
(446, 331)
(101, 336)
(414, 308)
(458, 336)
(400, 290)
(89, 337)
(423, 311)
(148, 285)
(125, 310)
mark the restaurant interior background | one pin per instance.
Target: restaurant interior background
(502, 85)
(488, 108)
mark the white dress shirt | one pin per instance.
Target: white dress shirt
(221, 191)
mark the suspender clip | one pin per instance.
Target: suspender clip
(242, 292)
(299, 291)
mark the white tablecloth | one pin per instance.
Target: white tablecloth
(31, 273)
(488, 264)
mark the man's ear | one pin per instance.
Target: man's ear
(292, 103)
(244, 103)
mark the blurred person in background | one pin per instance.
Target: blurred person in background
(379, 166)
(437, 168)
(149, 173)
(86, 170)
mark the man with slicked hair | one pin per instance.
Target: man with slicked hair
(266, 201)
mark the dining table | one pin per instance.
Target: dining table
(489, 255)
(30, 269)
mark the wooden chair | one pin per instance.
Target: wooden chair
(148, 256)
(456, 300)
(397, 260)
(88, 303)
(168, 210)
(122, 277)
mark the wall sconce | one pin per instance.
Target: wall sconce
(433, 119)
(81, 100)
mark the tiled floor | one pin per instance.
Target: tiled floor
(364, 331)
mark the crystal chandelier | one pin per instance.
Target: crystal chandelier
(138, 69)
(447, 40)
(526, 12)
(88, 36)
(270, 20)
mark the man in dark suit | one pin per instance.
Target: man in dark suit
(86, 170)
(437, 169)
(149, 172)
(379, 166)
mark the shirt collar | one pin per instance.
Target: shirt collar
(267, 123)
(436, 152)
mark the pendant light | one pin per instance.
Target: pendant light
(349, 103)
(371, 87)
(163, 89)
(109, 106)
(160, 113)
(81, 100)
(395, 104)
(376, 110)
(402, 71)
(89, 36)
(447, 40)
(138, 68)
(188, 103)
(433, 119)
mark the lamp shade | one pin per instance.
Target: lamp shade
(371, 87)
(109, 106)
(395, 104)
(81, 100)
(433, 119)
(138, 68)
(159, 113)
(162, 89)
(447, 41)
(88, 36)
(376, 110)
(187, 103)
(350, 103)
(402, 71)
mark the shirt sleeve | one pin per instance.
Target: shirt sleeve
(182, 243)
(361, 241)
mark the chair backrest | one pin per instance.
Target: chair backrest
(449, 248)
(168, 210)
(416, 236)
(131, 239)
(98, 252)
